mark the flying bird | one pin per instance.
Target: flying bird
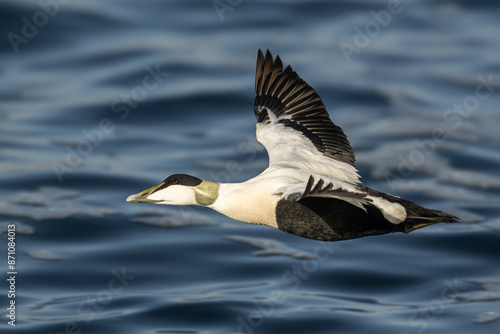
(311, 187)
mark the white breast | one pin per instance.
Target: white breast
(250, 202)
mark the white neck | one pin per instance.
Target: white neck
(249, 202)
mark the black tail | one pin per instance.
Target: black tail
(417, 216)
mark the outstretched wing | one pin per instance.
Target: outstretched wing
(294, 126)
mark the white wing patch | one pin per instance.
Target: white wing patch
(393, 212)
(289, 148)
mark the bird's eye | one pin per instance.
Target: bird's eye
(177, 181)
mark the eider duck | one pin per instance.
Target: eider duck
(311, 187)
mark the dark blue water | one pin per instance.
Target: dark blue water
(102, 99)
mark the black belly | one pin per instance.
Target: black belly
(329, 219)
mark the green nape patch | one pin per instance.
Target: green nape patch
(207, 192)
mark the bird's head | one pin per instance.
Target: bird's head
(179, 189)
